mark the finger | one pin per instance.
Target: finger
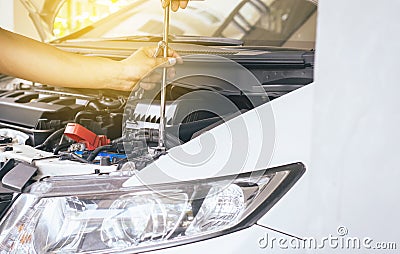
(149, 51)
(165, 62)
(174, 54)
(183, 4)
(165, 3)
(161, 61)
(153, 80)
(154, 77)
(171, 73)
(174, 5)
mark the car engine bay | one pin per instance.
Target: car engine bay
(47, 131)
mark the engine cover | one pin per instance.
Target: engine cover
(40, 112)
(37, 113)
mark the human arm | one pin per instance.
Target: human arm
(36, 61)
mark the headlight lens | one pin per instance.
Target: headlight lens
(109, 218)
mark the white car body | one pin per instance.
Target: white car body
(345, 128)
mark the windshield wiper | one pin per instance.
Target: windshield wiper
(199, 40)
(206, 41)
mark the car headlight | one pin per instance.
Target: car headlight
(97, 215)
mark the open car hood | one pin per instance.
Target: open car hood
(43, 17)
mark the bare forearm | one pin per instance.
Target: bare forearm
(32, 60)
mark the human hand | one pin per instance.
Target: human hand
(175, 4)
(138, 67)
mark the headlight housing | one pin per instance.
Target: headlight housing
(95, 214)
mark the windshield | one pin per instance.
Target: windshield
(255, 22)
